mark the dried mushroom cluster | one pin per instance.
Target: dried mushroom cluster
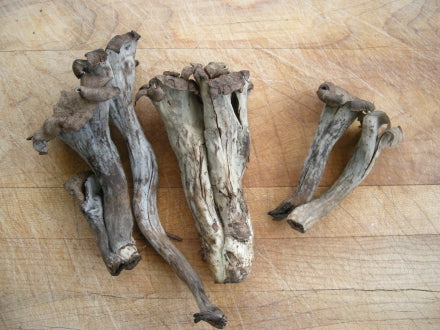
(207, 126)
(204, 110)
(340, 111)
(81, 120)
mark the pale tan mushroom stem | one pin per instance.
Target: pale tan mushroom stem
(182, 113)
(224, 96)
(210, 137)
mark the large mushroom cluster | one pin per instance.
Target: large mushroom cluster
(204, 110)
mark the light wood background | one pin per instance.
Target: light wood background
(373, 262)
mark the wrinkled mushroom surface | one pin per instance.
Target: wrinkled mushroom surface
(121, 52)
(206, 122)
(362, 161)
(340, 110)
(80, 119)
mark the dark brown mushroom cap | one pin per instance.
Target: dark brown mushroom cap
(335, 96)
(117, 41)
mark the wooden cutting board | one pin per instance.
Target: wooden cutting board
(373, 262)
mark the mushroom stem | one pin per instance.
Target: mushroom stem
(182, 114)
(88, 192)
(121, 51)
(340, 110)
(362, 161)
(226, 131)
(80, 120)
(210, 137)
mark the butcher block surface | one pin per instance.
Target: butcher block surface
(372, 262)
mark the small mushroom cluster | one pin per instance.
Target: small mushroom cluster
(340, 110)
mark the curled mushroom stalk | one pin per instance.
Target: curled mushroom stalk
(80, 119)
(84, 186)
(362, 161)
(340, 110)
(121, 52)
(206, 122)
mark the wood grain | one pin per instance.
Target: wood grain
(368, 211)
(398, 275)
(373, 262)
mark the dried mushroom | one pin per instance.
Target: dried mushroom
(206, 122)
(340, 110)
(81, 120)
(361, 162)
